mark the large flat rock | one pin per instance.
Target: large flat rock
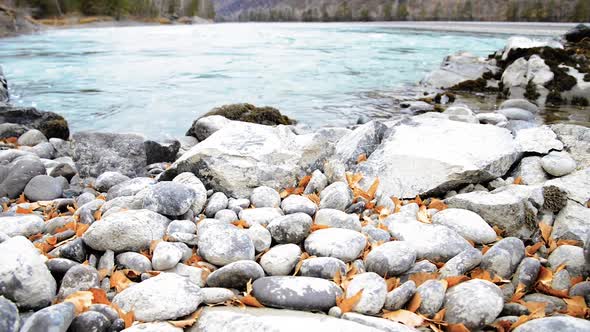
(424, 155)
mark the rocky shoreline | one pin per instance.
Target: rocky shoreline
(445, 220)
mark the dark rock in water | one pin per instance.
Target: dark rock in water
(19, 174)
(54, 318)
(11, 130)
(247, 113)
(9, 314)
(90, 321)
(96, 153)
(578, 33)
(49, 123)
(161, 151)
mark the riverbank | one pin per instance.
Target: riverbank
(443, 219)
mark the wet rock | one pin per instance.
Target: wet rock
(206, 126)
(96, 153)
(217, 202)
(191, 181)
(338, 219)
(572, 223)
(54, 318)
(265, 197)
(322, 267)
(261, 216)
(317, 183)
(107, 180)
(493, 150)
(163, 297)
(298, 293)
(49, 123)
(139, 228)
(134, 261)
(168, 198)
(467, 223)
(9, 313)
(577, 33)
(296, 204)
(363, 140)
(520, 103)
(391, 258)
(235, 275)
(292, 228)
(344, 244)
(164, 151)
(336, 196)
(44, 188)
(374, 291)
(223, 244)
(527, 272)
(462, 263)
(432, 293)
(572, 257)
(90, 321)
(260, 236)
(24, 277)
(556, 323)
(18, 174)
(558, 163)
(130, 187)
(458, 68)
(31, 138)
(474, 303)
(503, 258)
(25, 225)
(78, 278)
(280, 260)
(397, 298)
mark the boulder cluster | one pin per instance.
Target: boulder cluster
(441, 221)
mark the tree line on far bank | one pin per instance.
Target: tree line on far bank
(117, 8)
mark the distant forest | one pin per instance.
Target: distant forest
(403, 10)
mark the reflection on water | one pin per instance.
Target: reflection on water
(155, 80)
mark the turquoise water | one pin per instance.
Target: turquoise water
(156, 80)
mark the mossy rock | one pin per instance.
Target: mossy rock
(478, 85)
(49, 123)
(269, 116)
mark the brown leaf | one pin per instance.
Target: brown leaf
(127, 317)
(536, 309)
(337, 277)
(52, 240)
(97, 215)
(303, 257)
(99, 296)
(21, 210)
(361, 158)
(543, 288)
(502, 325)
(422, 215)
(576, 306)
(398, 204)
(317, 227)
(353, 179)
(414, 303)
(484, 249)
(545, 231)
(519, 293)
(304, 181)
(373, 189)
(392, 283)
(240, 223)
(420, 277)
(440, 316)
(532, 250)
(518, 180)
(347, 304)
(71, 209)
(251, 301)
(21, 199)
(81, 300)
(437, 204)
(314, 198)
(455, 280)
(576, 280)
(564, 242)
(457, 328)
(187, 322)
(81, 229)
(499, 232)
(119, 281)
(405, 317)
(102, 197)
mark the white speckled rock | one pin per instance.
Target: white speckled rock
(260, 216)
(530, 171)
(503, 258)
(432, 293)
(131, 230)
(572, 257)
(226, 215)
(538, 140)
(107, 180)
(317, 183)
(397, 298)
(464, 262)
(374, 292)
(216, 295)
(221, 244)
(572, 222)
(216, 203)
(292, 228)
(338, 219)
(260, 236)
(322, 267)
(298, 293)
(190, 180)
(344, 244)
(196, 275)
(163, 297)
(25, 225)
(391, 258)
(336, 196)
(169, 198)
(558, 163)
(467, 223)
(153, 327)
(474, 303)
(265, 197)
(556, 323)
(166, 255)
(132, 260)
(296, 203)
(235, 275)
(31, 138)
(280, 260)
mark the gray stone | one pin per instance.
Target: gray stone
(223, 244)
(54, 318)
(206, 126)
(153, 327)
(265, 197)
(235, 275)
(520, 103)
(32, 138)
(474, 303)
(457, 68)
(260, 236)
(130, 230)
(261, 216)
(530, 171)
(217, 202)
(322, 267)
(216, 295)
(376, 235)
(9, 312)
(465, 153)
(292, 228)
(432, 293)
(581, 289)
(42, 150)
(462, 263)
(391, 258)
(504, 257)
(44, 188)
(168, 198)
(129, 187)
(514, 309)
(572, 223)
(134, 261)
(90, 321)
(397, 298)
(11, 130)
(374, 291)
(527, 272)
(336, 196)
(181, 226)
(96, 153)
(226, 215)
(556, 323)
(59, 266)
(25, 225)
(338, 219)
(335, 312)
(317, 183)
(162, 151)
(491, 118)
(238, 204)
(191, 181)
(163, 297)
(216, 319)
(74, 250)
(18, 174)
(196, 275)
(335, 171)
(576, 140)
(107, 180)
(467, 223)
(380, 324)
(432, 242)
(572, 257)
(78, 278)
(558, 163)
(561, 280)
(24, 277)
(49, 123)
(280, 260)
(296, 203)
(553, 303)
(538, 140)
(298, 293)
(107, 261)
(65, 170)
(344, 244)
(363, 140)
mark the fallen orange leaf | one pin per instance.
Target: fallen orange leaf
(455, 280)
(422, 215)
(576, 306)
(414, 303)
(97, 215)
(518, 180)
(457, 328)
(81, 229)
(99, 296)
(531, 250)
(421, 277)
(518, 293)
(317, 227)
(398, 204)
(361, 158)
(21, 210)
(314, 198)
(304, 181)
(440, 316)
(52, 240)
(347, 304)
(437, 204)
(187, 322)
(21, 199)
(405, 317)
(392, 283)
(81, 300)
(545, 231)
(240, 223)
(251, 301)
(119, 281)
(303, 257)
